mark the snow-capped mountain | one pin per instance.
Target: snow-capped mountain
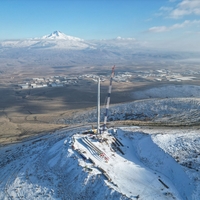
(57, 39)
(79, 51)
(57, 35)
(54, 40)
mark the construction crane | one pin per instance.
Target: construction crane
(98, 107)
(108, 98)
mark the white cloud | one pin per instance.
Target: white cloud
(121, 38)
(164, 8)
(163, 11)
(186, 7)
(195, 21)
(158, 29)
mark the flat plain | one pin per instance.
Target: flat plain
(29, 112)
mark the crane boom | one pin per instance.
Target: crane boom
(108, 98)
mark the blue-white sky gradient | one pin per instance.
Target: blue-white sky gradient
(157, 22)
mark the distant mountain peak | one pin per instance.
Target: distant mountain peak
(58, 35)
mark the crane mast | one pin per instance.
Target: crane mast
(98, 107)
(108, 98)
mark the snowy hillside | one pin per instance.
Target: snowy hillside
(169, 105)
(130, 163)
(60, 44)
(168, 91)
(171, 111)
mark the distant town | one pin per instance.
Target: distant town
(147, 75)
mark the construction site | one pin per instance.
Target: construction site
(86, 143)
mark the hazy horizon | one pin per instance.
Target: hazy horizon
(173, 24)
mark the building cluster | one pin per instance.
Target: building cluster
(151, 75)
(164, 75)
(60, 81)
(191, 72)
(53, 81)
(123, 77)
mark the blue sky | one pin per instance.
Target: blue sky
(157, 21)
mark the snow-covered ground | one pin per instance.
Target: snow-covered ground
(172, 105)
(169, 91)
(130, 163)
(171, 111)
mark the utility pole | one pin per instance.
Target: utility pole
(98, 107)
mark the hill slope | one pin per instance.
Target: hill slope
(64, 165)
